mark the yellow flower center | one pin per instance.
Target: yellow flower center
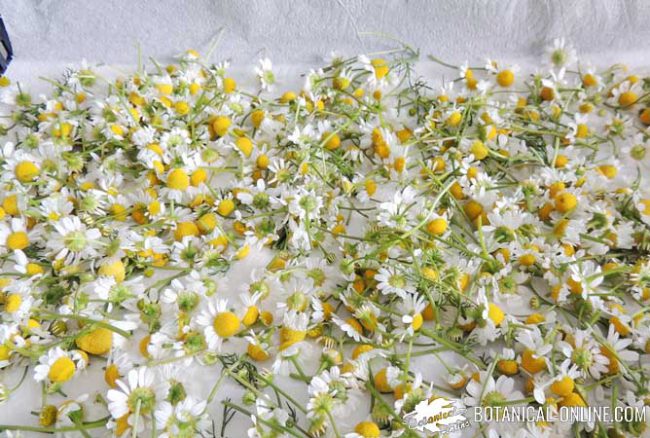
(456, 189)
(245, 145)
(111, 375)
(257, 117)
(287, 97)
(10, 205)
(182, 108)
(627, 98)
(644, 116)
(531, 363)
(527, 259)
(608, 171)
(563, 387)
(229, 85)
(34, 269)
(184, 229)
(367, 429)
(547, 93)
(17, 240)
(586, 108)
(505, 78)
(535, 318)
(399, 164)
(252, 313)
(113, 269)
(572, 399)
(194, 88)
(226, 324)
(430, 274)
(556, 188)
(340, 83)
(371, 187)
(582, 131)
(154, 208)
(165, 88)
(561, 161)
(4, 352)
(257, 353)
(119, 212)
(207, 223)
(479, 150)
(289, 336)
(473, 209)
(381, 381)
(63, 130)
(97, 342)
(13, 302)
(262, 161)
(143, 346)
(117, 130)
(417, 321)
(508, 367)
(136, 99)
(331, 141)
(495, 314)
(61, 370)
(565, 202)
(454, 119)
(360, 349)
(620, 326)
(178, 179)
(380, 66)
(198, 176)
(574, 286)
(220, 125)
(26, 171)
(226, 207)
(589, 80)
(437, 226)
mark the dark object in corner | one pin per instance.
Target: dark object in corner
(6, 51)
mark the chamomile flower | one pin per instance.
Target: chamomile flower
(219, 323)
(14, 235)
(265, 74)
(136, 398)
(266, 414)
(73, 241)
(393, 281)
(186, 417)
(559, 53)
(486, 391)
(411, 320)
(585, 353)
(625, 95)
(294, 328)
(57, 366)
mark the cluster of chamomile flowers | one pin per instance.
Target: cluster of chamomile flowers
(319, 261)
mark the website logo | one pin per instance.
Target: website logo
(437, 415)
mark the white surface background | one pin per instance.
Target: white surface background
(48, 34)
(303, 31)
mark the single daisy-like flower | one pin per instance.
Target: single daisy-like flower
(57, 366)
(219, 323)
(136, 398)
(73, 241)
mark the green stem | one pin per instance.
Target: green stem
(90, 425)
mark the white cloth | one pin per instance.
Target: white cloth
(292, 32)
